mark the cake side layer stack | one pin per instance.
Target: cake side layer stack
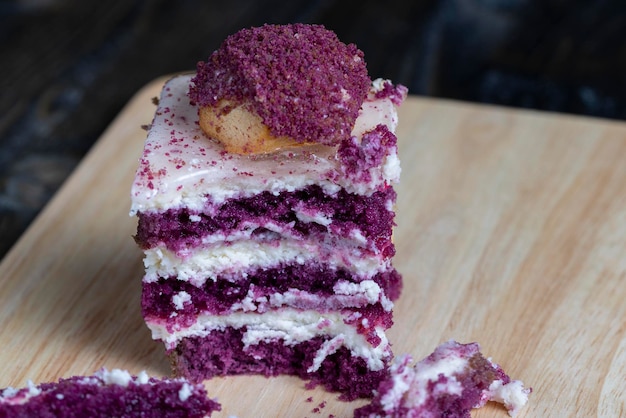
(284, 253)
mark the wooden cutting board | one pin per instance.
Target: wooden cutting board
(511, 232)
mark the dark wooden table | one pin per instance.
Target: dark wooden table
(68, 66)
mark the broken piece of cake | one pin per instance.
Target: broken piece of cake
(452, 381)
(108, 394)
(265, 207)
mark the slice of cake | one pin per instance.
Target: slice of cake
(265, 205)
(108, 394)
(450, 382)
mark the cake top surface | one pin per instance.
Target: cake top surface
(300, 79)
(181, 166)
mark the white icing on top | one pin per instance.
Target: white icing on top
(143, 378)
(13, 396)
(292, 326)
(9, 392)
(102, 377)
(185, 392)
(115, 377)
(181, 166)
(33, 390)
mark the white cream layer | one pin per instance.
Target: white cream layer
(290, 326)
(182, 167)
(202, 264)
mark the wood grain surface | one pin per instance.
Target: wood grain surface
(511, 232)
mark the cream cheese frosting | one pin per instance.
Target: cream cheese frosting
(182, 167)
(201, 265)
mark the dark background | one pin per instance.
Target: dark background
(67, 67)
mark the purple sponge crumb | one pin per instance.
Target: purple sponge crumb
(300, 79)
(395, 93)
(222, 353)
(357, 159)
(367, 214)
(92, 396)
(218, 296)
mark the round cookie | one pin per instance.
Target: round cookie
(300, 82)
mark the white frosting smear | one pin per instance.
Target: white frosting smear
(181, 166)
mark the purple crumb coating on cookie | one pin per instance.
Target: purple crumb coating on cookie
(223, 353)
(90, 397)
(218, 296)
(357, 159)
(300, 79)
(395, 93)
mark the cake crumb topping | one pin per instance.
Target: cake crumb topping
(301, 80)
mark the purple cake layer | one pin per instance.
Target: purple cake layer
(313, 284)
(81, 396)
(367, 214)
(222, 353)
